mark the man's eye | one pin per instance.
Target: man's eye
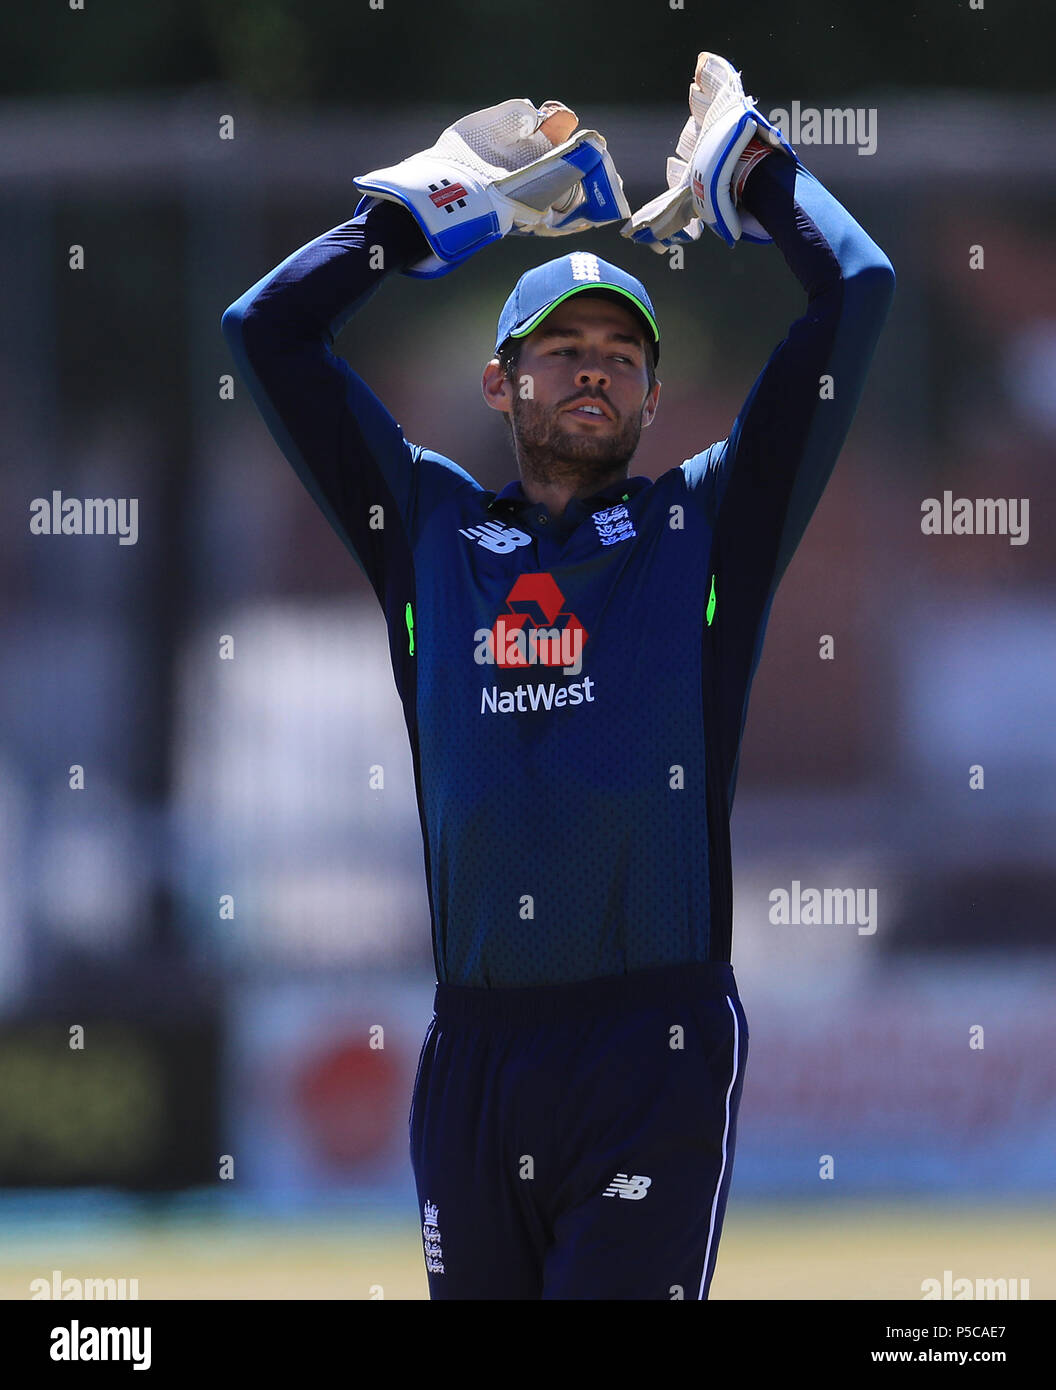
(617, 357)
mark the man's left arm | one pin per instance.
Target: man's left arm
(761, 485)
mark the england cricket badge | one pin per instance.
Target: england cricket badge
(614, 524)
(434, 1255)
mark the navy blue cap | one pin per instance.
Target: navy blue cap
(546, 286)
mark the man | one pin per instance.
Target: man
(574, 656)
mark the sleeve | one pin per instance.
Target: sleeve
(375, 488)
(759, 487)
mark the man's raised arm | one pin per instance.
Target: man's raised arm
(735, 173)
(347, 449)
(762, 484)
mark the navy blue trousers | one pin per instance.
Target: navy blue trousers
(576, 1141)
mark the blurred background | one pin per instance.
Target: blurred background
(231, 913)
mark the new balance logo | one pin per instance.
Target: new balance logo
(493, 536)
(633, 1188)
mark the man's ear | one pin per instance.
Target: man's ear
(650, 406)
(497, 387)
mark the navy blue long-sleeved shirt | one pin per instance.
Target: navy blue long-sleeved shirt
(574, 689)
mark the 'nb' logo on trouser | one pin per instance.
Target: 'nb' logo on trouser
(633, 1188)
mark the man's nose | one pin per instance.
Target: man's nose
(592, 370)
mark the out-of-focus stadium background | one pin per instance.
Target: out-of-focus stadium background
(231, 910)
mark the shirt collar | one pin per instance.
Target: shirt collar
(512, 498)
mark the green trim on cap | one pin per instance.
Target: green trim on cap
(537, 319)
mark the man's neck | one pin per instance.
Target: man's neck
(555, 496)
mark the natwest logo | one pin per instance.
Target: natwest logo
(535, 631)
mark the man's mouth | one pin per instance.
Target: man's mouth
(588, 409)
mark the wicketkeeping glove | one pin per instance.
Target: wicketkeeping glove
(725, 136)
(512, 168)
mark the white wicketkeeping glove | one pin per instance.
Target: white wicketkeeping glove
(512, 168)
(724, 137)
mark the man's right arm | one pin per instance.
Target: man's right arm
(346, 448)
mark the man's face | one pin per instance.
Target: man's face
(580, 393)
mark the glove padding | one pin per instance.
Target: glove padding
(723, 139)
(511, 168)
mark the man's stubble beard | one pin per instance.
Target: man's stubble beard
(549, 453)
